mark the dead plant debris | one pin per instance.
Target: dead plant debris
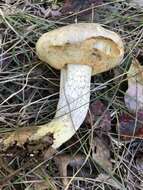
(107, 151)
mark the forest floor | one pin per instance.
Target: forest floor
(107, 151)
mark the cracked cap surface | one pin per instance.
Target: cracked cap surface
(82, 43)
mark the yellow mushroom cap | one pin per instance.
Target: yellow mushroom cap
(82, 43)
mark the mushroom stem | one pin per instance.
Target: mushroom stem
(72, 106)
(74, 93)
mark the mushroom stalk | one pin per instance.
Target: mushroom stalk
(72, 106)
(74, 93)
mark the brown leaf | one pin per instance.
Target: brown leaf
(130, 126)
(98, 112)
(101, 153)
(134, 94)
(64, 160)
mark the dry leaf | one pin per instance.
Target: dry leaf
(101, 153)
(63, 161)
(134, 95)
(130, 126)
(98, 112)
(100, 146)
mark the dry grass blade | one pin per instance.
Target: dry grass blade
(29, 91)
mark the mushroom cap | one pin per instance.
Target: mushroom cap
(82, 43)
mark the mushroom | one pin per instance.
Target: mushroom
(80, 51)
(134, 94)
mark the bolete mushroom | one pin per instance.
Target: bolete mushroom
(79, 50)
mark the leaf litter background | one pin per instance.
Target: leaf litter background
(106, 156)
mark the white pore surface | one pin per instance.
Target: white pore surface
(134, 97)
(74, 93)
